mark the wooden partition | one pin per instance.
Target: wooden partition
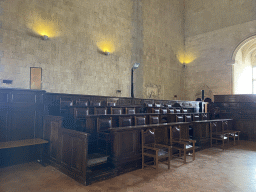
(67, 148)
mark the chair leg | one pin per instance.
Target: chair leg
(171, 153)
(157, 161)
(194, 152)
(142, 161)
(185, 153)
(169, 158)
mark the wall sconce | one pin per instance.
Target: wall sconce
(135, 66)
(45, 37)
(106, 53)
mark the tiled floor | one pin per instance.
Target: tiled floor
(213, 170)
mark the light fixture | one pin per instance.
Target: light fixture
(135, 66)
(106, 53)
(45, 37)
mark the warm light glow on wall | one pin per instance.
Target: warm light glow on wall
(106, 46)
(186, 58)
(40, 26)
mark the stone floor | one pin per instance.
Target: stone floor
(213, 170)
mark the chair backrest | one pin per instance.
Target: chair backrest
(153, 119)
(147, 136)
(125, 121)
(81, 103)
(80, 112)
(168, 105)
(164, 111)
(111, 104)
(188, 118)
(100, 111)
(175, 131)
(157, 105)
(205, 116)
(196, 117)
(130, 111)
(116, 111)
(184, 110)
(179, 118)
(96, 103)
(224, 125)
(156, 111)
(104, 124)
(171, 110)
(213, 126)
(177, 111)
(149, 105)
(140, 120)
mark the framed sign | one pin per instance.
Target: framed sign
(36, 78)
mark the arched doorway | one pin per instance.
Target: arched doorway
(244, 69)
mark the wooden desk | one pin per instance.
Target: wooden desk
(126, 144)
(201, 130)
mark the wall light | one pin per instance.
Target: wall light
(135, 66)
(45, 37)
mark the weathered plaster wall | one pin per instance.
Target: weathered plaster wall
(213, 30)
(163, 43)
(149, 32)
(70, 60)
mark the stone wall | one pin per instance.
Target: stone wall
(72, 60)
(213, 29)
(163, 46)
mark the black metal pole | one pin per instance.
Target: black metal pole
(132, 93)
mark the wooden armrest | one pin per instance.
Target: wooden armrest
(189, 140)
(180, 142)
(153, 148)
(162, 145)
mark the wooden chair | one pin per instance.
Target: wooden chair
(205, 116)
(141, 120)
(103, 136)
(179, 118)
(82, 103)
(177, 111)
(111, 104)
(130, 111)
(196, 117)
(230, 133)
(179, 140)
(184, 110)
(157, 105)
(153, 150)
(153, 119)
(116, 111)
(80, 112)
(163, 111)
(96, 103)
(217, 133)
(188, 118)
(100, 111)
(155, 110)
(125, 121)
(171, 111)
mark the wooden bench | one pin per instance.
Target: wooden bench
(25, 143)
